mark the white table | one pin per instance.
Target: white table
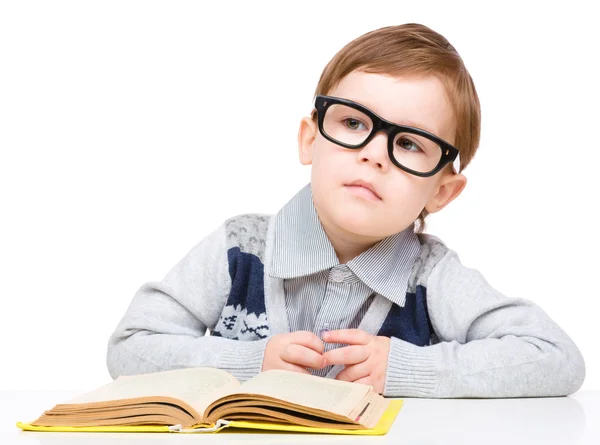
(549, 421)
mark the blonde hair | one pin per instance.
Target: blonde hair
(408, 50)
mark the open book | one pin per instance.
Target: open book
(209, 399)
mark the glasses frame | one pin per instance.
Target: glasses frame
(449, 152)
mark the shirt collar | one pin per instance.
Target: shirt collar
(302, 248)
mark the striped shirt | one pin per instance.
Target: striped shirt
(322, 294)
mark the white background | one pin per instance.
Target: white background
(131, 130)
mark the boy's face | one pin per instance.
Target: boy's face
(414, 101)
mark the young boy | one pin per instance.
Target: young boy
(341, 282)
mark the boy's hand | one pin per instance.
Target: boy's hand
(365, 358)
(294, 351)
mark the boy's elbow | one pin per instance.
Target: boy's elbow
(567, 372)
(119, 358)
(114, 357)
(130, 355)
(574, 371)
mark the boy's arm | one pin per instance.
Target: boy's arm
(164, 326)
(490, 345)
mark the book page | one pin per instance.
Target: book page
(303, 389)
(196, 386)
(370, 414)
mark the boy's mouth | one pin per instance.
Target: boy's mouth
(364, 189)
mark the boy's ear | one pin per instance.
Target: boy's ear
(306, 138)
(450, 186)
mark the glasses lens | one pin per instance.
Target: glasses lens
(347, 125)
(416, 152)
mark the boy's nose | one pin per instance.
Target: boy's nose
(376, 151)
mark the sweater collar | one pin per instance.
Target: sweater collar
(301, 247)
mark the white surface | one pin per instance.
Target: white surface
(549, 421)
(117, 152)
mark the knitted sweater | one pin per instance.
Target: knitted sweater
(453, 335)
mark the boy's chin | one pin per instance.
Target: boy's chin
(361, 224)
(367, 224)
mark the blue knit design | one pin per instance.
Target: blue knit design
(247, 281)
(410, 323)
(244, 316)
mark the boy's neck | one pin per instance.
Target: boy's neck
(345, 244)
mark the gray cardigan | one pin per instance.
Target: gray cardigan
(452, 336)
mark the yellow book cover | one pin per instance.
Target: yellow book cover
(207, 400)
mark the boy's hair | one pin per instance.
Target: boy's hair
(413, 50)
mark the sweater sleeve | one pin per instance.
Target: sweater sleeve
(165, 324)
(490, 345)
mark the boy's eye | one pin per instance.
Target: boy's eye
(407, 144)
(352, 124)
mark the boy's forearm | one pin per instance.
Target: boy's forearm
(164, 326)
(490, 345)
(493, 367)
(145, 352)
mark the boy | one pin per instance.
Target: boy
(340, 282)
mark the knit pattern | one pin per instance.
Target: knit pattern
(244, 316)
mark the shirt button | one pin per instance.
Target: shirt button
(337, 276)
(323, 330)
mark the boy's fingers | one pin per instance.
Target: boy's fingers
(354, 372)
(295, 368)
(348, 355)
(308, 339)
(302, 356)
(347, 336)
(365, 381)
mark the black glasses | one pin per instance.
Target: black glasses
(411, 149)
